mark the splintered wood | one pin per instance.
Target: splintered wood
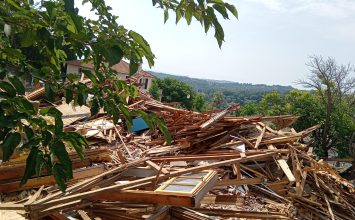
(217, 167)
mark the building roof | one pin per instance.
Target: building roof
(121, 67)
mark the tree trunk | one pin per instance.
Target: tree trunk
(327, 123)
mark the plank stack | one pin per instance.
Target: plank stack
(217, 167)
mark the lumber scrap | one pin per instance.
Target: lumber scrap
(217, 117)
(49, 180)
(260, 137)
(137, 170)
(284, 166)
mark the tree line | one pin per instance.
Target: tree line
(330, 102)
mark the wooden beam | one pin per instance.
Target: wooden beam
(247, 181)
(224, 213)
(284, 166)
(90, 182)
(66, 199)
(281, 139)
(260, 137)
(147, 197)
(49, 180)
(35, 196)
(217, 117)
(15, 171)
(156, 167)
(222, 199)
(215, 156)
(11, 206)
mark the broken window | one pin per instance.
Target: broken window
(191, 183)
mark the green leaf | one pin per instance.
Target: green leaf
(57, 118)
(8, 89)
(28, 38)
(18, 85)
(24, 105)
(219, 33)
(201, 2)
(222, 10)
(126, 114)
(188, 15)
(69, 6)
(114, 55)
(46, 138)
(164, 129)
(39, 163)
(178, 16)
(51, 8)
(32, 142)
(95, 107)
(232, 9)
(207, 23)
(58, 149)
(141, 41)
(77, 141)
(50, 91)
(30, 165)
(11, 141)
(68, 94)
(28, 131)
(133, 67)
(215, 1)
(72, 77)
(60, 176)
(91, 76)
(166, 15)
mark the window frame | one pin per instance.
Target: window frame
(209, 176)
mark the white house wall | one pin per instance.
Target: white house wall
(72, 69)
(75, 69)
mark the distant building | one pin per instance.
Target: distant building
(145, 79)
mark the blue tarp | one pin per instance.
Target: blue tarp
(139, 125)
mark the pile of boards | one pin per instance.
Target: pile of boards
(217, 167)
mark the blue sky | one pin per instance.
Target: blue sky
(269, 44)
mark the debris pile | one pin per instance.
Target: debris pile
(217, 167)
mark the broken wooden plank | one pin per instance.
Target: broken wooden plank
(146, 197)
(89, 194)
(246, 181)
(156, 167)
(284, 166)
(260, 137)
(49, 180)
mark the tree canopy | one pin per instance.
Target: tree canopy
(172, 90)
(35, 41)
(311, 110)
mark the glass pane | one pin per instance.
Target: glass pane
(187, 181)
(177, 188)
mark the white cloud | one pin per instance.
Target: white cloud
(336, 9)
(275, 5)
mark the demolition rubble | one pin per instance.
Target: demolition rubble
(217, 167)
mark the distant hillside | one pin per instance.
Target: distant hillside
(233, 91)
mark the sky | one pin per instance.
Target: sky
(270, 43)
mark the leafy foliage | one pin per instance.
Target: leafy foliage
(204, 11)
(200, 104)
(172, 90)
(35, 42)
(311, 111)
(233, 92)
(217, 99)
(154, 90)
(176, 91)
